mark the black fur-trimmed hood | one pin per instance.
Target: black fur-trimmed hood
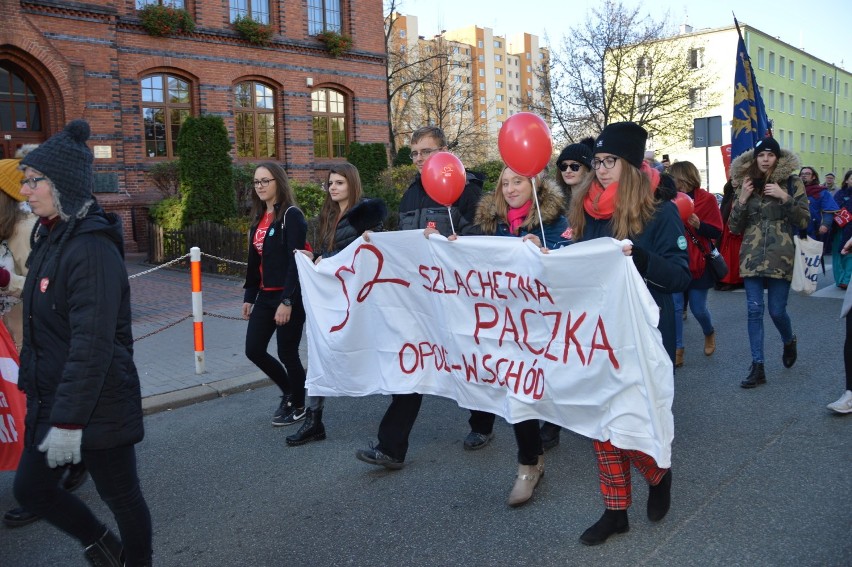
(367, 214)
(550, 200)
(788, 164)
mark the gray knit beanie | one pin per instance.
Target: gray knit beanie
(66, 160)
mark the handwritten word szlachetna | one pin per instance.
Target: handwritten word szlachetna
(485, 284)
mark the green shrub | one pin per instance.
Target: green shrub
(403, 156)
(159, 20)
(168, 213)
(392, 184)
(370, 159)
(206, 172)
(166, 177)
(492, 170)
(309, 196)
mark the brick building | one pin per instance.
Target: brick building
(289, 101)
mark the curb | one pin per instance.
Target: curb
(203, 392)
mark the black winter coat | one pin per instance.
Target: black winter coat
(417, 210)
(279, 265)
(77, 358)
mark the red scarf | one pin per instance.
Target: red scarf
(517, 216)
(814, 190)
(600, 202)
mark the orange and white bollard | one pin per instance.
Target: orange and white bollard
(197, 311)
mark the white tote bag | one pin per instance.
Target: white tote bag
(807, 265)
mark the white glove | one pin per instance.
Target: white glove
(62, 446)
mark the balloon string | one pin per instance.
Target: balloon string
(538, 209)
(450, 214)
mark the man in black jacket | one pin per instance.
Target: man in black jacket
(418, 211)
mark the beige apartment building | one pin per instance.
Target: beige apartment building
(489, 78)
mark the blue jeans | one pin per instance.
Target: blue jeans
(777, 292)
(114, 474)
(698, 306)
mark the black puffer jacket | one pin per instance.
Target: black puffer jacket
(417, 210)
(77, 359)
(369, 214)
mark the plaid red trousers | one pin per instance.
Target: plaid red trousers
(614, 473)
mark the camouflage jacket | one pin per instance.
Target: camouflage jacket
(766, 224)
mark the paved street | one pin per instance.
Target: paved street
(760, 477)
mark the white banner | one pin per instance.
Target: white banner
(494, 324)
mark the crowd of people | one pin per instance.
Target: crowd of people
(65, 300)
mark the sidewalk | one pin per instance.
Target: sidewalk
(164, 350)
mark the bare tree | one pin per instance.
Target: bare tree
(622, 65)
(429, 82)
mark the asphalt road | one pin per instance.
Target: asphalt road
(760, 477)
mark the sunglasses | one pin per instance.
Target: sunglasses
(566, 166)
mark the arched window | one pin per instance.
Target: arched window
(20, 111)
(166, 103)
(255, 119)
(329, 122)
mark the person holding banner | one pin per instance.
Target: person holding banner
(83, 393)
(618, 201)
(418, 211)
(272, 302)
(771, 206)
(702, 226)
(344, 215)
(511, 211)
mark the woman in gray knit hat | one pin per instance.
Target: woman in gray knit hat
(83, 395)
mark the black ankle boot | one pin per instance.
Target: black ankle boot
(107, 551)
(755, 377)
(790, 353)
(312, 429)
(660, 498)
(612, 522)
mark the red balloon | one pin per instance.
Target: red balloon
(525, 144)
(685, 205)
(443, 177)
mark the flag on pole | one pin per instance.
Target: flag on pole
(750, 123)
(13, 405)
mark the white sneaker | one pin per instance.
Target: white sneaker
(844, 404)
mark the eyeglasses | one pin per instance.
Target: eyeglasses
(425, 153)
(566, 166)
(607, 162)
(262, 182)
(32, 181)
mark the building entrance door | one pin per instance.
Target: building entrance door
(21, 120)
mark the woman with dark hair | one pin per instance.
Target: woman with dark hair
(272, 299)
(820, 203)
(344, 216)
(771, 205)
(841, 264)
(619, 201)
(703, 226)
(574, 163)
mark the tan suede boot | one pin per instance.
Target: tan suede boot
(710, 343)
(525, 483)
(678, 358)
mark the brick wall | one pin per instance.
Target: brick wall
(87, 59)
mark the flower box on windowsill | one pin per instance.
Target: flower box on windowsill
(161, 21)
(252, 31)
(335, 43)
